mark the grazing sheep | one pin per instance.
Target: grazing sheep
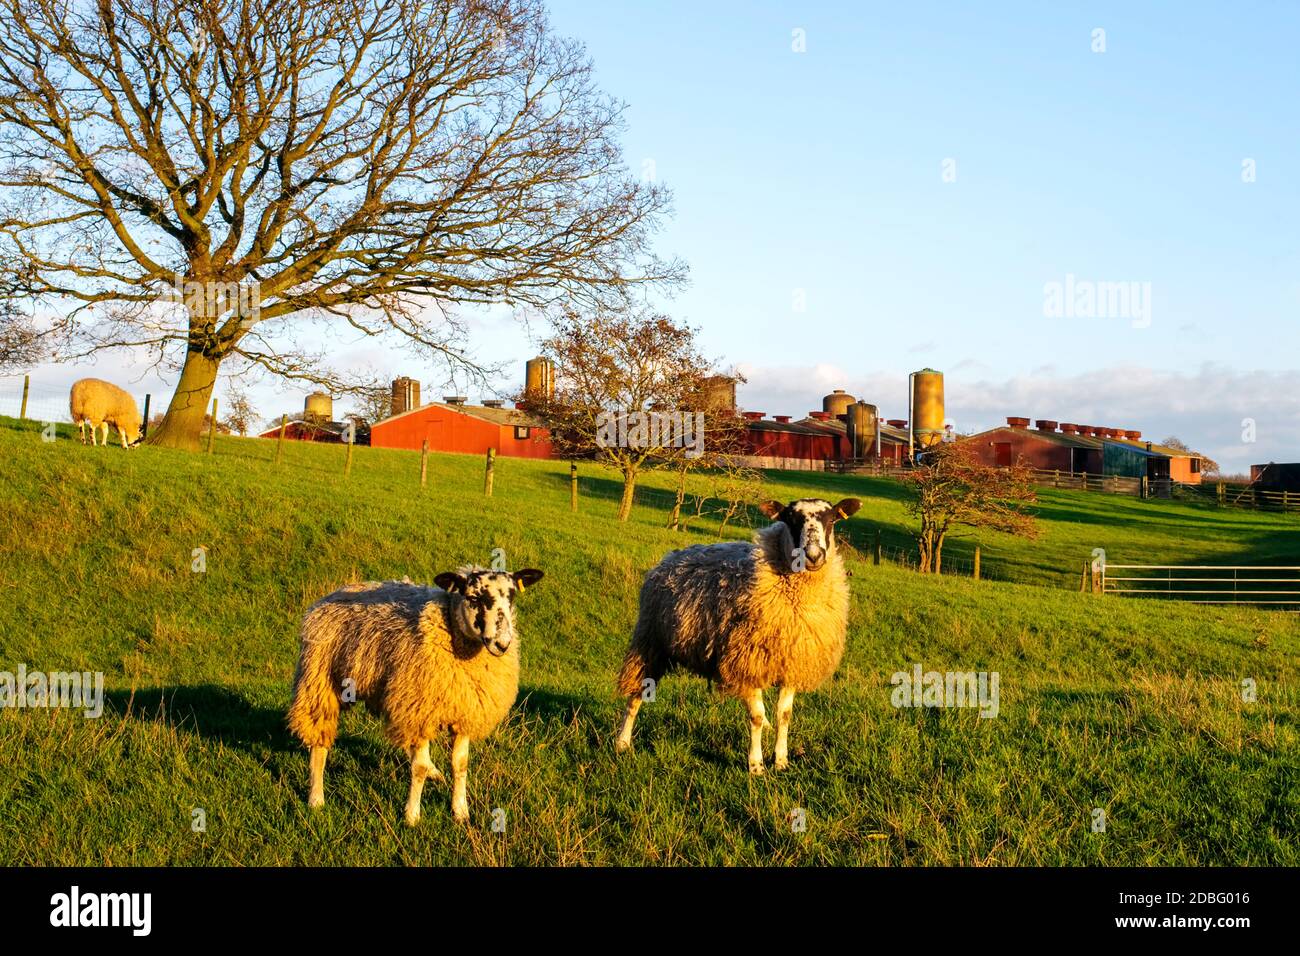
(747, 615)
(428, 660)
(96, 402)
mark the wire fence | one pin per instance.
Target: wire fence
(44, 403)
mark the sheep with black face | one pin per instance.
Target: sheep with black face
(748, 616)
(428, 660)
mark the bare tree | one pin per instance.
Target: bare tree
(626, 388)
(191, 176)
(20, 342)
(954, 488)
(374, 404)
(240, 413)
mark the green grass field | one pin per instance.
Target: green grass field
(1132, 707)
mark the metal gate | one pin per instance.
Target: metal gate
(1275, 586)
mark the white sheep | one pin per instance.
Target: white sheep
(428, 660)
(95, 402)
(748, 616)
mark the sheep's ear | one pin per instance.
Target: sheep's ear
(527, 578)
(771, 508)
(451, 581)
(846, 508)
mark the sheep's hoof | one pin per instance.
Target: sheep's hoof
(316, 800)
(622, 746)
(412, 816)
(460, 814)
(756, 768)
(780, 763)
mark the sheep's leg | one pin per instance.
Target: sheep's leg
(81, 425)
(784, 707)
(317, 796)
(459, 768)
(757, 721)
(105, 427)
(422, 769)
(625, 734)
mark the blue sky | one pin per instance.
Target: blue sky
(819, 173)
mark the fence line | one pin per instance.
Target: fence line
(1207, 583)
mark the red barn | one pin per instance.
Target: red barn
(471, 429)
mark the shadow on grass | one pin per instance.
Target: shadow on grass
(222, 715)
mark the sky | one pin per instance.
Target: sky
(862, 190)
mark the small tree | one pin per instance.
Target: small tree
(626, 390)
(953, 487)
(20, 343)
(240, 413)
(374, 404)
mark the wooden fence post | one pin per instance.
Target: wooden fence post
(573, 486)
(487, 473)
(279, 445)
(27, 384)
(877, 549)
(1222, 491)
(144, 429)
(977, 562)
(1056, 480)
(212, 428)
(424, 463)
(347, 462)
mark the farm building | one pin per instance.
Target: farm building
(1275, 477)
(1075, 449)
(316, 424)
(308, 430)
(454, 425)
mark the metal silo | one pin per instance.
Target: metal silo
(864, 430)
(539, 378)
(926, 427)
(319, 407)
(837, 402)
(406, 395)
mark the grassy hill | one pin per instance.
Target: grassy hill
(1131, 707)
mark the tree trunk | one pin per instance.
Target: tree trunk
(182, 426)
(675, 519)
(937, 562)
(629, 486)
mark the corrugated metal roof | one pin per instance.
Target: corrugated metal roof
(1087, 441)
(497, 416)
(887, 432)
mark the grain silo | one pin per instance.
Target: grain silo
(927, 409)
(539, 378)
(863, 422)
(837, 403)
(319, 407)
(406, 395)
(719, 393)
